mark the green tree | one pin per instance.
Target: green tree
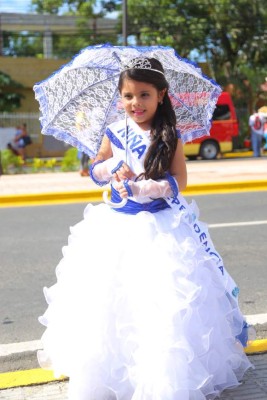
(73, 6)
(10, 98)
(228, 34)
(65, 46)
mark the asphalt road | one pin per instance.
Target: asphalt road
(32, 238)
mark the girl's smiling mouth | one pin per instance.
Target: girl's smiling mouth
(138, 112)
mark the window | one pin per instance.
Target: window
(221, 112)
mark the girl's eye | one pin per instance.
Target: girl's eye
(145, 94)
(127, 96)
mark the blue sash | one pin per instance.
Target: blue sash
(132, 207)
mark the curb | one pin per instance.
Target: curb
(40, 376)
(225, 187)
(256, 347)
(29, 377)
(50, 198)
(96, 195)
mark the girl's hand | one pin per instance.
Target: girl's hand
(124, 172)
(122, 190)
(148, 188)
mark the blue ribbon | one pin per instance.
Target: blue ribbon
(132, 207)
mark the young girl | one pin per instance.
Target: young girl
(143, 307)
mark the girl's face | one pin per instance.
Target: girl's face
(140, 101)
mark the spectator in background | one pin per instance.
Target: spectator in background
(84, 159)
(263, 110)
(256, 123)
(20, 141)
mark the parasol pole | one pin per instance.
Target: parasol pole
(105, 193)
(124, 22)
(126, 137)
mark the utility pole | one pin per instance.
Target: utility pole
(124, 22)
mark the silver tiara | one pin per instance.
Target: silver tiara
(139, 63)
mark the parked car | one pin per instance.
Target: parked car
(223, 134)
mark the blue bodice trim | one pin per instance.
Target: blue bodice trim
(132, 207)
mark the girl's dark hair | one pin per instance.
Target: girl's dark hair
(163, 131)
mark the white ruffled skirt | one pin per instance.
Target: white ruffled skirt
(140, 312)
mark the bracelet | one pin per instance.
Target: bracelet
(99, 183)
(127, 187)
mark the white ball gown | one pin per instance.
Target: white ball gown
(143, 308)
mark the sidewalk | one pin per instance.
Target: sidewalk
(208, 176)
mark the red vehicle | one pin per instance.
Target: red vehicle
(223, 134)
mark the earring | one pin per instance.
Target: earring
(160, 103)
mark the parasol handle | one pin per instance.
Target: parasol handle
(110, 203)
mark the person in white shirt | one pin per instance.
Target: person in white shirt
(256, 123)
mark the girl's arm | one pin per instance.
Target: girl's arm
(178, 166)
(105, 150)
